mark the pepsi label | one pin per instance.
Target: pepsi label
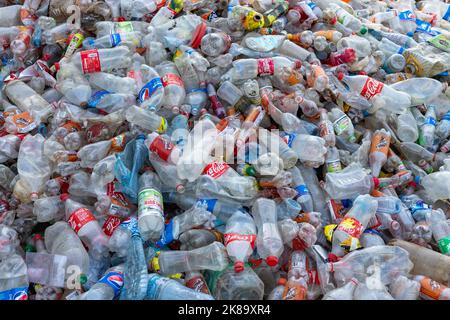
(114, 280)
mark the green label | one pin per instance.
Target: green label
(124, 27)
(440, 42)
(444, 245)
(341, 124)
(150, 202)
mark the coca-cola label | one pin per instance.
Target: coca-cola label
(230, 237)
(265, 67)
(90, 61)
(163, 148)
(172, 78)
(216, 169)
(197, 284)
(371, 88)
(111, 223)
(79, 218)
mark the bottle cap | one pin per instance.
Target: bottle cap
(140, 136)
(64, 196)
(332, 257)
(198, 35)
(340, 76)
(281, 281)
(238, 266)
(272, 261)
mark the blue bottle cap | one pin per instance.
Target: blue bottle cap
(410, 34)
(417, 179)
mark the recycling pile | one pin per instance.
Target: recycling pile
(232, 149)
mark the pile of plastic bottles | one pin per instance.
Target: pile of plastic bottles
(232, 149)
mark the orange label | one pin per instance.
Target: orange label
(328, 34)
(380, 142)
(294, 292)
(118, 143)
(72, 126)
(24, 122)
(431, 289)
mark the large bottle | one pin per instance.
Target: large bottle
(268, 241)
(150, 206)
(98, 60)
(86, 226)
(353, 224)
(239, 238)
(440, 228)
(162, 288)
(108, 287)
(211, 257)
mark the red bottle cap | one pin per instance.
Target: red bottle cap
(64, 196)
(340, 76)
(238, 266)
(332, 257)
(272, 261)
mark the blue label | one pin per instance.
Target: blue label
(289, 138)
(446, 116)
(115, 39)
(167, 236)
(114, 280)
(312, 5)
(430, 120)
(15, 294)
(423, 26)
(372, 231)
(301, 190)
(407, 15)
(134, 227)
(447, 14)
(347, 203)
(209, 203)
(96, 97)
(149, 89)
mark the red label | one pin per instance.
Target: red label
(172, 78)
(197, 284)
(90, 61)
(216, 169)
(79, 218)
(265, 67)
(230, 237)
(371, 88)
(111, 223)
(162, 148)
(351, 226)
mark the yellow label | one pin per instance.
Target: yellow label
(162, 126)
(253, 20)
(155, 262)
(328, 231)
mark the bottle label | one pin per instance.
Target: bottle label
(111, 224)
(423, 26)
(172, 78)
(230, 237)
(75, 42)
(115, 39)
(431, 289)
(444, 245)
(155, 284)
(302, 190)
(325, 128)
(341, 124)
(149, 89)
(447, 14)
(407, 15)
(163, 148)
(334, 166)
(150, 202)
(216, 169)
(265, 67)
(197, 284)
(71, 126)
(119, 206)
(15, 294)
(124, 27)
(24, 122)
(430, 120)
(167, 236)
(371, 88)
(351, 226)
(209, 204)
(440, 42)
(90, 61)
(294, 292)
(79, 218)
(114, 280)
(380, 143)
(289, 138)
(96, 98)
